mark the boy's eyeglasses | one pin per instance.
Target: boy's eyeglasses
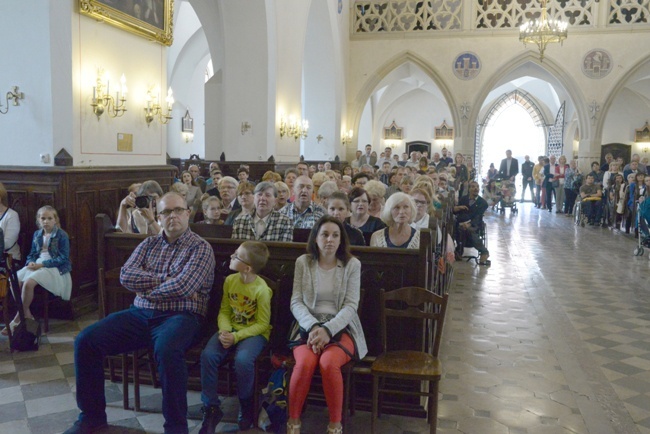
(237, 258)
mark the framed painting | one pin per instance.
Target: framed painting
(393, 132)
(151, 19)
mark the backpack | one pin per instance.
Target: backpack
(273, 414)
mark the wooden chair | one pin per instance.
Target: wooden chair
(46, 298)
(406, 365)
(131, 360)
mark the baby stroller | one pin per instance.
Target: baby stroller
(642, 219)
(508, 194)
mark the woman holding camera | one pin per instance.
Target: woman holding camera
(137, 213)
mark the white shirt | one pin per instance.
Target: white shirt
(325, 302)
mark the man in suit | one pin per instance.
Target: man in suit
(367, 158)
(509, 166)
(469, 219)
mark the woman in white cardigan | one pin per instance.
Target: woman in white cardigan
(10, 224)
(326, 290)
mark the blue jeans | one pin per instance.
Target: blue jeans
(214, 355)
(169, 333)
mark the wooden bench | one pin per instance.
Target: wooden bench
(381, 268)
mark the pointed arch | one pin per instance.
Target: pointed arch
(561, 75)
(359, 103)
(620, 85)
(520, 97)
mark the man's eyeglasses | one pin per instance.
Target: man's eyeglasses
(237, 258)
(177, 212)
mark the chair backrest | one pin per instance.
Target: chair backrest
(301, 235)
(415, 303)
(211, 231)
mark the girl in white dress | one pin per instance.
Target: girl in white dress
(48, 262)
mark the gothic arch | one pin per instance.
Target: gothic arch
(524, 99)
(358, 104)
(620, 85)
(550, 66)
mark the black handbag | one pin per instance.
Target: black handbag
(27, 335)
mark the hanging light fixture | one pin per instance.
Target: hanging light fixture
(543, 31)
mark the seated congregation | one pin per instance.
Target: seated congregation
(163, 247)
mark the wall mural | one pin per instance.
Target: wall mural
(467, 66)
(597, 63)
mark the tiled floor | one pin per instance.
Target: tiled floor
(553, 338)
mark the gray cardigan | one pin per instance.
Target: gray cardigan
(347, 283)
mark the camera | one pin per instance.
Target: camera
(143, 201)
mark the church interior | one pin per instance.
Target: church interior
(553, 337)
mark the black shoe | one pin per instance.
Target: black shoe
(84, 427)
(212, 415)
(246, 417)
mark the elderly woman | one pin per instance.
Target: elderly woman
(398, 214)
(376, 191)
(193, 189)
(246, 201)
(283, 195)
(325, 299)
(137, 213)
(360, 218)
(325, 191)
(228, 193)
(10, 225)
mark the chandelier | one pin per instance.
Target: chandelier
(542, 31)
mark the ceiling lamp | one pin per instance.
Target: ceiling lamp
(543, 31)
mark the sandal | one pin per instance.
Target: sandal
(335, 429)
(293, 428)
(12, 326)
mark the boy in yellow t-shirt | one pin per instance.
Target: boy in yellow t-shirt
(244, 327)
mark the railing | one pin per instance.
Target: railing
(431, 16)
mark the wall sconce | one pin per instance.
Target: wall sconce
(12, 94)
(154, 109)
(294, 128)
(103, 101)
(245, 126)
(645, 148)
(319, 138)
(347, 138)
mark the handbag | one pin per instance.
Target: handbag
(26, 336)
(298, 335)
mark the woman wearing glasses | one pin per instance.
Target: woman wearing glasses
(325, 299)
(360, 217)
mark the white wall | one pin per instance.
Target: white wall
(98, 45)
(27, 130)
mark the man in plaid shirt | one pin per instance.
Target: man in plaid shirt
(171, 275)
(266, 224)
(302, 211)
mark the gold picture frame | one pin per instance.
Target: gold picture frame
(151, 19)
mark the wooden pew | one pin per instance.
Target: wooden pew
(381, 268)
